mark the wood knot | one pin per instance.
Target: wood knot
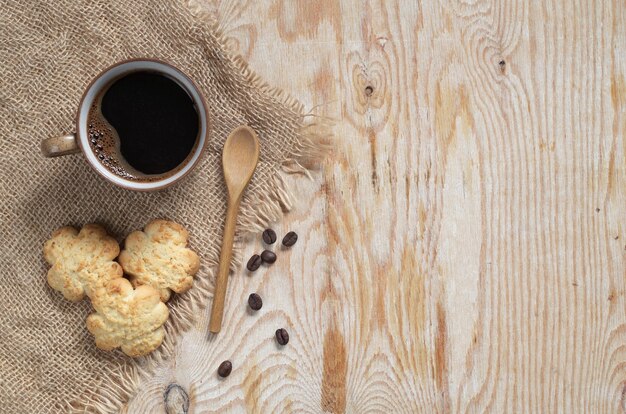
(176, 400)
(369, 90)
(502, 65)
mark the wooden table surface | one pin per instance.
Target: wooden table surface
(463, 249)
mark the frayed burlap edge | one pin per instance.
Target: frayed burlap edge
(119, 384)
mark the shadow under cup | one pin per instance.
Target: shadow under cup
(142, 125)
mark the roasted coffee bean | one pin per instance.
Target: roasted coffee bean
(290, 239)
(255, 302)
(224, 369)
(269, 236)
(268, 256)
(254, 263)
(282, 336)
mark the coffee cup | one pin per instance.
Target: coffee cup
(142, 124)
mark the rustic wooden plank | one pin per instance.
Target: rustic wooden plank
(463, 249)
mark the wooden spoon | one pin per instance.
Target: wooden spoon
(239, 159)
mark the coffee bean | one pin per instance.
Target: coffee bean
(290, 239)
(224, 369)
(255, 302)
(268, 256)
(269, 236)
(282, 336)
(254, 263)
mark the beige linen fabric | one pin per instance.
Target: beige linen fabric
(49, 51)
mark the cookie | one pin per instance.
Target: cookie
(158, 256)
(81, 261)
(127, 318)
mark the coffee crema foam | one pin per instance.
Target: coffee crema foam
(105, 144)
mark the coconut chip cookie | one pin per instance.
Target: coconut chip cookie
(81, 261)
(158, 256)
(131, 319)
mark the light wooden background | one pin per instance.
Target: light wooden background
(463, 250)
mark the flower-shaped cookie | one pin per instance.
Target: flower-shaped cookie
(128, 318)
(81, 261)
(158, 256)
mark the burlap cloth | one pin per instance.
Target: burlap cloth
(49, 51)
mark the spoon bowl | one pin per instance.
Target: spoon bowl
(239, 159)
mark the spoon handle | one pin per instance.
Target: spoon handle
(217, 312)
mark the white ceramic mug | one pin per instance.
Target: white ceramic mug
(78, 141)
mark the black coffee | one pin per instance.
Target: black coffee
(144, 126)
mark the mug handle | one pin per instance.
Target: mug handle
(57, 146)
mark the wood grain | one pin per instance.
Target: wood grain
(463, 249)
